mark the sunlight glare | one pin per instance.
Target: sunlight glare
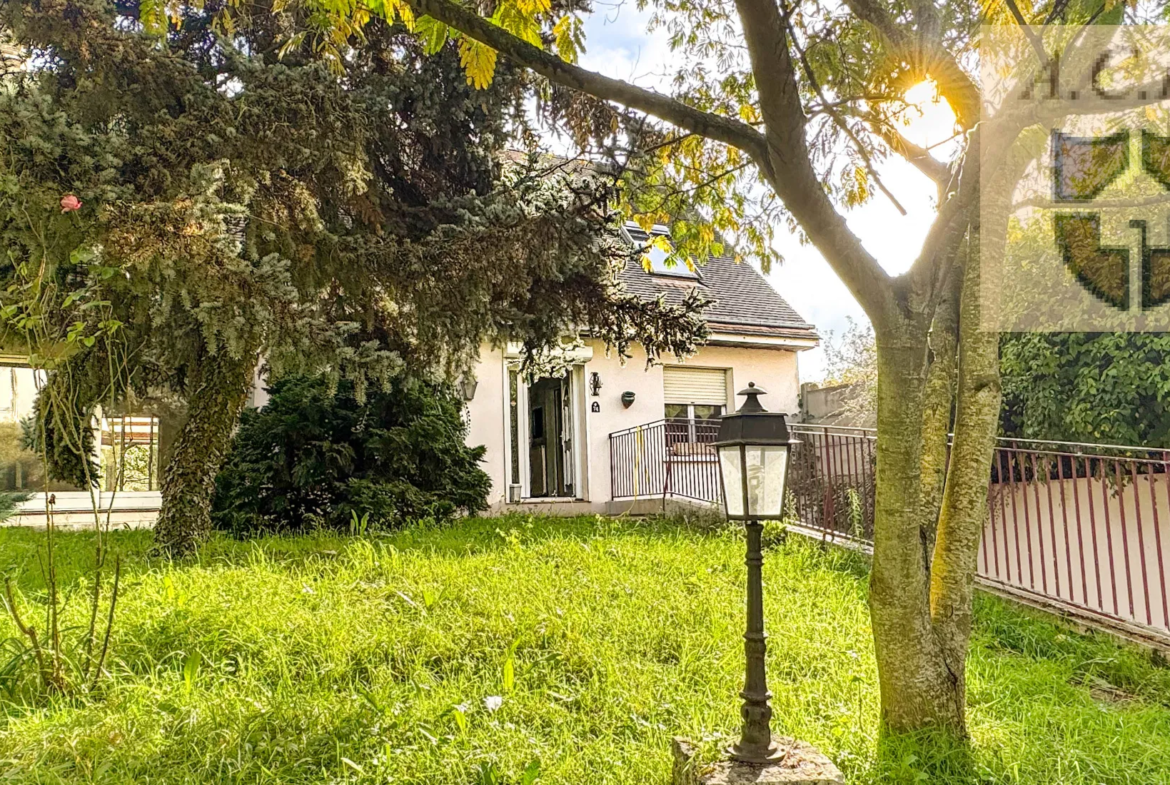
(931, 120)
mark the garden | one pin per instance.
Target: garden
(530, 650)
(337, 207)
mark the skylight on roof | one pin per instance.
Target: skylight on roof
(658, 254)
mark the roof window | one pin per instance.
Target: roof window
(658, 257)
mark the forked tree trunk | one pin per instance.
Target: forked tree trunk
(188, 479)
(924, 549)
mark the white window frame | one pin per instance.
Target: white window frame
(692, 434)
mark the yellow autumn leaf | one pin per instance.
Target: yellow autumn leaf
(569, 38)
(478, 61)
(406, 13)
(518, 24)
(533, 7)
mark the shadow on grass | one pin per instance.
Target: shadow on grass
(927, 757)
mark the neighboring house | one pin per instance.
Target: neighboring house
(126, 449)
(607, 435)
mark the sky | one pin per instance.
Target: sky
(618, 45)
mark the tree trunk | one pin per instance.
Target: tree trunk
(964, 509)
(925, 551)
(217, 395)
(916, 689)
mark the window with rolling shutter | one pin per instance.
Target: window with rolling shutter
(695, 385)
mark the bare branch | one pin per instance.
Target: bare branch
(914, 154)
(1029, 33)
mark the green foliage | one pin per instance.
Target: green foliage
(9, 502)
(312, 457)
(213, 185)
(1111, 388)
(320, 659)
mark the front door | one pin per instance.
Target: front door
(550, 438)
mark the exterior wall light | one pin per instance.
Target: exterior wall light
(595, 384)
(467, 387)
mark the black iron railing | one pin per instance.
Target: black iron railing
(664, 459)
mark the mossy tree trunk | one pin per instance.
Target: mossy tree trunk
(926, 542)
(217, 393)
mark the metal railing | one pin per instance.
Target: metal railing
(831, 479)
(1082, 526)
(669, 458)
(1068, 524)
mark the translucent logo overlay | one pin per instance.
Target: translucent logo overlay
(1074, 169)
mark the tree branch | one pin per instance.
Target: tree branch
(916, 155)
(840, 122)
(790, 171)
(1028, 32)
(929, 271)
(781, 153)
(716, 127)
(933, 60)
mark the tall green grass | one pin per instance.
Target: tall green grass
(558, 651)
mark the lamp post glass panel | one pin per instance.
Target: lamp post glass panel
(753, 450)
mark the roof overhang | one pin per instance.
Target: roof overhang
(792, 340)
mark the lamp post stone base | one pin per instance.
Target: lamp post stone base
(802, 765)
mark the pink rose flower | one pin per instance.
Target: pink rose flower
(69, 203)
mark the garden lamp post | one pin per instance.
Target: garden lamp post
(753, 449)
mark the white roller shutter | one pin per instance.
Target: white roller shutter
(683, 384)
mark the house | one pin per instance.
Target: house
(127, 452)
(605, 437)
(608, 436)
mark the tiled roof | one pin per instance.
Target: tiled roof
(743, 298)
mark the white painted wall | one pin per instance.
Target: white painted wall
(774, 370)
(488, 420)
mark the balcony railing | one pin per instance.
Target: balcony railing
(669, 458)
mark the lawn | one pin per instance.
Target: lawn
(473, 653)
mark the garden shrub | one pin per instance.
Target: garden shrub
(313, 458)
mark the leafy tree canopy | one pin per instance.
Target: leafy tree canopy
(177, 201)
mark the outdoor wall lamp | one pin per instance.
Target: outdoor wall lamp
(467, 386)
(753, 447)
(595, 384)
(628, 398)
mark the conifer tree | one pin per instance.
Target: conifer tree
(211, 191)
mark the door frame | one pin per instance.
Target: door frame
(576, 376)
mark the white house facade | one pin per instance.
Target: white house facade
(609, 435)
(606, 436)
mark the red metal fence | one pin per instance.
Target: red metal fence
(1082, 526)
